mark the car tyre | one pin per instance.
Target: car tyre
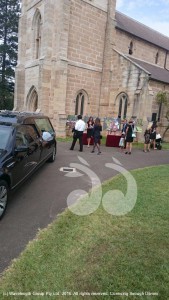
(4, 193)
(53, 156)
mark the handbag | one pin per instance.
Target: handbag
(133, 132)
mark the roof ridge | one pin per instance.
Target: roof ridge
(143, 24)
(130, 59)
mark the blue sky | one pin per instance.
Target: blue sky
(153, 13)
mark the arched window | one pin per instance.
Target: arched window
(131, 48)
(80, 103)
(37, 24)
(156, 58)
(32, 100)
(120, 108)
(122, 102)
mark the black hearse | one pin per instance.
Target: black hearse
(27, 140)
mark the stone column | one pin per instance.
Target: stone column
(60, 66)
(107, 57)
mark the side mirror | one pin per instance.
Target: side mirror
(21, 149)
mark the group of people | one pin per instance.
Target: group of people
(150, 137)
(94, 129)
(128, 134)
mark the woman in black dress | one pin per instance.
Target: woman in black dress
(90, 125)
(96, 135)
(129, 137)
(147, 135)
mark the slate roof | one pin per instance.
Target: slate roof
(142, 31)
(156, 72)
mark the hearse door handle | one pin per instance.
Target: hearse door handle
(11, 164)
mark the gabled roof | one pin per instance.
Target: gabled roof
(156, 72)
(140, 30)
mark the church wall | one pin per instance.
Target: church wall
(20, 70)
(86, 34)
(19, 88)
(141, 49)
(156, 87)
(129, 79)
(31, 79)
(167, 61)
(89, 81)
(85, 53)
(106, 74)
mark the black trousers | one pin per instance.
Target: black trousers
(77, 136)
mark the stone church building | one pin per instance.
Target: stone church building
(84, 57)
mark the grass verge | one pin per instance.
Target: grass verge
(101, 253)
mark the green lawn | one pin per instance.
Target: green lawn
(101, 253)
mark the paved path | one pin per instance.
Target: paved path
(41, 198)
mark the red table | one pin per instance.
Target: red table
(113, 140)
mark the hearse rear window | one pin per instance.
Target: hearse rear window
(44, 125)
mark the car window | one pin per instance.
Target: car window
(44, 125)
(25, 135)
(5, 133)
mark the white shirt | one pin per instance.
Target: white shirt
(46, 136)
(80, 125)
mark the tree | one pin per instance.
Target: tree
(9, 16)
(162, 98)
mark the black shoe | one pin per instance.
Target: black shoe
(92, 151)
(129, 152)
(80, 150)
(70, 149)
(126, 152)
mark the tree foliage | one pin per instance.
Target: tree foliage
(162, 97)
(9, 16)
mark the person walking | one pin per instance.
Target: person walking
(78, 130)
(147, 135)
(129, 137)
(90, 125)
(124, 127)
(96, 135)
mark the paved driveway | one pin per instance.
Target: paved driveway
(41, 198)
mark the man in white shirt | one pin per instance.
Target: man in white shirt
(80, 126)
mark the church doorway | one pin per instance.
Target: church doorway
(32, 100)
